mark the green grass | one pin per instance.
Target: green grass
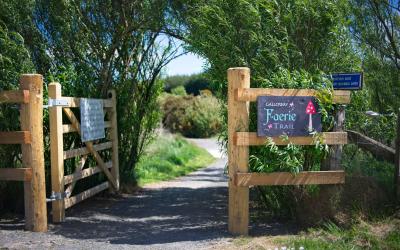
(377, 235)
(169, 157)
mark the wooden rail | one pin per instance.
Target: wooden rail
(14, 96)
(69, 202)
(285, 178)
(379, 150)
(251, 94)
(16, 174)
(74, 102)
(84, 150)
(15, 137)
(68, 128)
(84, 173)
(251, 139)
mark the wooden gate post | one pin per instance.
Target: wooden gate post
(56, 152)
(238, 156)
(33, 154)
(114, 137)
(333, 160)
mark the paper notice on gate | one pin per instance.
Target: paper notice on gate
(92, 119)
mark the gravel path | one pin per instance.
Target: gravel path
(187, 213)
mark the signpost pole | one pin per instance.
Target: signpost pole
(238, 156)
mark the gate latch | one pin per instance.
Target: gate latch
(56, 102)
(56, 196)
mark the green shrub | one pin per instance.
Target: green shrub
(180, 90)
(193, 84)
(192, 116)
(196, 85)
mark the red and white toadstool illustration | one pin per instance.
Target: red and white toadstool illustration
(310, 110)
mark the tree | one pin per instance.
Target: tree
(376, 28)
(267, 36)
(286, 44)
(15, 60)
(376, 23)
(111, 44)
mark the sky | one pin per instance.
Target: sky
(185, 65)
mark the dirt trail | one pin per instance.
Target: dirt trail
(189, 212)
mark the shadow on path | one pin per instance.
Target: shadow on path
(192, 208)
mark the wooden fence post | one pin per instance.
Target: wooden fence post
(114, 137)
(56, 152)
(33, 153)
(337, 150)
(238, 156)
(333, 160)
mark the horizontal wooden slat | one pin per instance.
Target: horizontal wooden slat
(84, 173)
(251, 94)
(14, 96)
(68, 128)
(377, 149)
(15, 174)
(74, 102)
(84, 151)
(251, 139)
(286, 178)
(15, 137)
(69, 202)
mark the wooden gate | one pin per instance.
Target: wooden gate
(30, 97)
(239, 139)
(63, 185)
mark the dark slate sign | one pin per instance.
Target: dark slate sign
(92, 119)
(347, 81)
(290, 115)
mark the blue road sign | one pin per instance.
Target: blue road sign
(348, 81)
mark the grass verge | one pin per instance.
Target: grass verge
(169, 157)
(381, 234)
(384, 234)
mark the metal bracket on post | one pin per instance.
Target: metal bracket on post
(57, 196)
(57, 102)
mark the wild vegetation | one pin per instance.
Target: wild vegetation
(193, 84)
(169, 157)
(192, 116)
(93, 46)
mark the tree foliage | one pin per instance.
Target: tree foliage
(193, 83)
(112, 44)
(286, 44)
(375, 26)
(268, 35)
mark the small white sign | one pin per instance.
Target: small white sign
(92, 119)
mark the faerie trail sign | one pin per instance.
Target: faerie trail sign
(290, 115)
